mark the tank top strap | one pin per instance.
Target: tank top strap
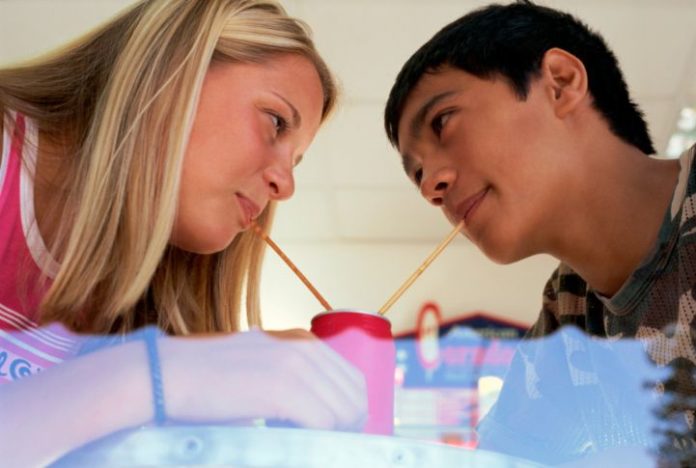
(11, 162)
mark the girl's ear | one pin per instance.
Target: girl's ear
(565, 78)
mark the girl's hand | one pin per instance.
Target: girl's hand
(287, 375)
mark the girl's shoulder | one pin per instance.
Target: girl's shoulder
(2, 130)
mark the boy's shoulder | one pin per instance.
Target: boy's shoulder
(567, 288)
(686, 184)
(564, 302)
(684, 199)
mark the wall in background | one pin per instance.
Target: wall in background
(356, 226)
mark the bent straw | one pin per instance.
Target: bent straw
(292, 266)
(407, 284)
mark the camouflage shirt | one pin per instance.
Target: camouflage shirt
(655, 304)
(560, 383)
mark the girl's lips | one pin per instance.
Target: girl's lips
(466, 208)
(250, 211)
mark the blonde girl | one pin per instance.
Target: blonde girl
(134, 161)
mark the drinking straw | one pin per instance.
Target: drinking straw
(407, 284)
(292, 266)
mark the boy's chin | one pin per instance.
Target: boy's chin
(502, 254)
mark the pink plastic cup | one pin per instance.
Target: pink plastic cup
(365, 340)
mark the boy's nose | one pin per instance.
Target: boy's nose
(435, 185)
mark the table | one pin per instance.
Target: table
(275, 447)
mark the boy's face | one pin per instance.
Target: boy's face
(486, 157)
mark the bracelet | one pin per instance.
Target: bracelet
(150, 336)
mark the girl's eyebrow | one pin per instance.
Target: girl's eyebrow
(296, 117)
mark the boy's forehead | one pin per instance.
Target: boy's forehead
(431, 82)
(430, 89)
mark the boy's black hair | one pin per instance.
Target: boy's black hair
(510, 41)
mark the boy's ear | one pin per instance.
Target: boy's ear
(565, 78)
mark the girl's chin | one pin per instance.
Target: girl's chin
(205, 244)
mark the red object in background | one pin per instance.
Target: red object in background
(428, 335)
(456, 439)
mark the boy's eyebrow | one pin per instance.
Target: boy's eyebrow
(419, 118)
(407, 163)
(417, 124)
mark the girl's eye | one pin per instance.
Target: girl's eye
(439, 122)
(279, 123)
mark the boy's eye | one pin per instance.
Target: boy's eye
(439, 122)
(418, 176)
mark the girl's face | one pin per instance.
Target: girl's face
(252, 126)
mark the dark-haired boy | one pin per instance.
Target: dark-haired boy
(516, 119)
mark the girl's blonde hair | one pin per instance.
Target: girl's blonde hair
(125, 97)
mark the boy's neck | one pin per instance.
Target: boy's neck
(615, 223)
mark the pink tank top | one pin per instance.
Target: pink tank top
(26, 266)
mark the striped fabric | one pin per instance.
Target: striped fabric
(26, 266)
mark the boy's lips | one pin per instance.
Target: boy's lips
(250, 210)
(464, 209)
